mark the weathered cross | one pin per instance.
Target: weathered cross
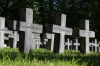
(15, 39)
(85, 34)
(2, 26)
(59, 28)
(68, 43)
(8, 32)
(25, 28)
(37, 40)
(99, 46)
(76, 44)
(96, 45)
(91, 46)
(37, 43)
(50, 42)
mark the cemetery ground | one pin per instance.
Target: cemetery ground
(43, 57)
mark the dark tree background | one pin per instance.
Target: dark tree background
(45, 11)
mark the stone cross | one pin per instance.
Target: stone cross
(96, 45)
(2, 26)
(68, 43)
(5, 39)
(37, 43)
(49, 39)
(99, 46)
(45, 40)
(36, 38)
(91, 46)
(85, 34)
(25, 28)
(8, 32)
(3, 31)
(76, 44)
(14, 39)
(60, 30)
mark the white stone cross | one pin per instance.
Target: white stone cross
(76, 44)
(37, 43)
(49, 40)
(85, 34)
(36, 38)
(2, 26)
(8, 32)
(96, 45)
(3, 31)
(91, 45)
(15, 38)
(99, 45)
(68, 43)
(59, 28)
(5, 38)
(25, 28)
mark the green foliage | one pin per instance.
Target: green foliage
(43, 57)
(45, 11)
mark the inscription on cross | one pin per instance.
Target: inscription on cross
(59, 28)
(85, 34)
(25, 28)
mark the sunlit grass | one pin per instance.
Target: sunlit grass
(43, 57)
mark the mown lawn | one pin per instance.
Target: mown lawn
(43, 57)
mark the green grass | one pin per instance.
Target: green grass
(43, 57)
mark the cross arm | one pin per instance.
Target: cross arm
(37, 28)
(84, 33)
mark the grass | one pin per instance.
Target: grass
(43, 57)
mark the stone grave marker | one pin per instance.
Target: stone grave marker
(37, 43)
(91, 46)
(76, 44)
(14, 38)
(68, 44)
(96, 45)
(99, 46)
(25, 28)
(85, 34)
(5, 39)
(37, 40)
(2, 26)
(49, 41)
(60, 30)
(7, 33)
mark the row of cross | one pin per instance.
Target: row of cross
(47, 37)
(29, 32)
(69, 45)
